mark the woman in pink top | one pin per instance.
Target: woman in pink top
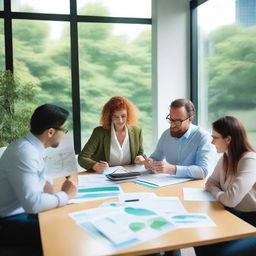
(233, 183)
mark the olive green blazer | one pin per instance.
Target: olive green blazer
(98, 146)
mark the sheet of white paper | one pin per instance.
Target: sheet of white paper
(143, 224)
(190, 220)
(82, 216)
(78, 200)
(93, 180)
(61, 161)
(136, 196)
(85, 194)
(197, 194)
(117, 234)
(161, 179)
(161, 204)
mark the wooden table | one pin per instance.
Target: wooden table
(61, 236)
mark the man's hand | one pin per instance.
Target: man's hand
(100, 167)
(163, 167)
(148, 163)
(139, 159)
(69, 187)
(48, 188)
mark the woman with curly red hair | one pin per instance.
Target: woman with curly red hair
(118, 141)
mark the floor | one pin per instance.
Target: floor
(188, 252)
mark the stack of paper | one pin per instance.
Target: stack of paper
(136, 218)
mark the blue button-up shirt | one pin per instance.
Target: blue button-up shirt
(22, 179)
(191, 153)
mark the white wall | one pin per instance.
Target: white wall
(171, 57)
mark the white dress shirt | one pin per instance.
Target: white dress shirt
(119, 155)
(22, 179)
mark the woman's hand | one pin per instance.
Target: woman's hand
(139, 159)
(210, 184)
(100, 167)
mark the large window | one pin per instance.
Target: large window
(226, 62)
(44, 59)
(39, 6)
(127, 8)
(80, 69)
(114, 63)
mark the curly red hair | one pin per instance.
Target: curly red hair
(118, 103)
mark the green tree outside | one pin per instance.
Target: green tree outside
(109, 65)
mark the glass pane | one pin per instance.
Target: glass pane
(115, 60)
(227, 67)
(39, 6)
(44, 60)
(115, 8)
(1, 4)
(2, 45)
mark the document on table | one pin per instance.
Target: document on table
(190, 220)
(197, 194)
(161, 179)
(95, 193)
(133, 197)
(94, 180)
(164, 204)
(125, 225)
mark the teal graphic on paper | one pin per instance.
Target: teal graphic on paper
(158, 223)
(183, 217)
(97, 195)
(98, 189)
(138, 211)
(137, 226)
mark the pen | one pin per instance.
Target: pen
(132, 200)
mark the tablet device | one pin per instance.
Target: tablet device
(123, 176)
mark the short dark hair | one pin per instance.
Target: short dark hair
(189, 106)
(231, 126)
(47, 116)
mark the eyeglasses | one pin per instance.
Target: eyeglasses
(62, 129)
(176, 122)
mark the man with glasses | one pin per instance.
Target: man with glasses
(185, 147)
(23, 188)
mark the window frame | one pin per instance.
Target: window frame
(194, 52)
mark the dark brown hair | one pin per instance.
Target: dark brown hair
(117, 103)
(239, 144)
(178, 103)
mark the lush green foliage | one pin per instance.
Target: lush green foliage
(110, 65)
(232, 70)
(16, 105)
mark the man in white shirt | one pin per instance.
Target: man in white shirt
(23, 188)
